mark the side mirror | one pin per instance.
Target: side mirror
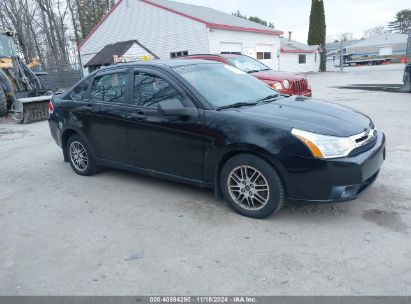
(174, 107)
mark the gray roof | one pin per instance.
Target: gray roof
(336, 45)
(384, 39)
(211, 16)
(105, 56)
(295, 45)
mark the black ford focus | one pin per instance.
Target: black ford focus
(210, 125)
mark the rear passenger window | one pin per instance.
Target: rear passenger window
(79, 92)
(149, 90)
(109, 88)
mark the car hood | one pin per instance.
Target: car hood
(277, 76)
(310, 115)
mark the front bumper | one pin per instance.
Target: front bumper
(311, 181)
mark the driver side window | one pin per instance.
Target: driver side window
(149, 90)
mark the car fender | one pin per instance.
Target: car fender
(66, 132)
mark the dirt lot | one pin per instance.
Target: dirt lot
(122, 234)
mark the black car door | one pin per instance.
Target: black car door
(106, 130)
(169, 144)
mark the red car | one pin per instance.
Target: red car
(285, 83)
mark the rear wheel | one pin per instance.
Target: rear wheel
(252, 186)
(3, 103)
(80, 157)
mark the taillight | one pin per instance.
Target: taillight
(51, 106)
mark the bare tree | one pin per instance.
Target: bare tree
(375, 31)
(345, 36)
(51, 30)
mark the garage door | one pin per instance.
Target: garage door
(385, 51)
(264, 54)
(230, 48)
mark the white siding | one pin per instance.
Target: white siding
(248, 40)
(159, 30)
(289, 63)
(231, 47)
(136, 51)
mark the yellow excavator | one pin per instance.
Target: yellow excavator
(24, 93)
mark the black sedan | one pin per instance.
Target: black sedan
(212, 125)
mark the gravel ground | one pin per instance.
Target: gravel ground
(122, 234)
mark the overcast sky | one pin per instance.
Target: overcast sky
(354, 16)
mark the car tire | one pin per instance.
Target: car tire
(80, 157)
(252, 186)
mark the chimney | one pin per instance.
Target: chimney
(290, 33)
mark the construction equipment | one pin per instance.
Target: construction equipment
(23, 92)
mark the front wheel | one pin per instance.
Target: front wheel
(251, 186)
(80, 157)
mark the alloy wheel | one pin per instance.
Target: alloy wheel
(78, 156)
(248, 187)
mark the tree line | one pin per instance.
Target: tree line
(51, 30)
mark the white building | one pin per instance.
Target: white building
(298, 57)
(170, 29)
(387, 44)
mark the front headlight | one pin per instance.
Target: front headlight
(325, 146)
(277, 86)
(286, 84)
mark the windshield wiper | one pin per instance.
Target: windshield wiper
(268, 98)
(253, 71)
(237, 105)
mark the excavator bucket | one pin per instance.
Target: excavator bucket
(31, 109)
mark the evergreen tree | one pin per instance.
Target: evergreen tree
(402, 22)
(255, 19)
(317, 30)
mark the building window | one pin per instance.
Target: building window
(178, 54)
(263, 55)
(302, 58)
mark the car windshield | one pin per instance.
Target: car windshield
(223, 85)
(247, 64)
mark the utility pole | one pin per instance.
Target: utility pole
(407, 69)
(341, 56)
(408, 51)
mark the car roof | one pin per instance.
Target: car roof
(161, 63)
(232, 55)
(170, 63)
(214, 55)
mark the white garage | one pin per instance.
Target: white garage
(171, 29)
(298, 57)
(231, 48)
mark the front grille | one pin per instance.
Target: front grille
(299, 86)
(364, 141)
(364, 148)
